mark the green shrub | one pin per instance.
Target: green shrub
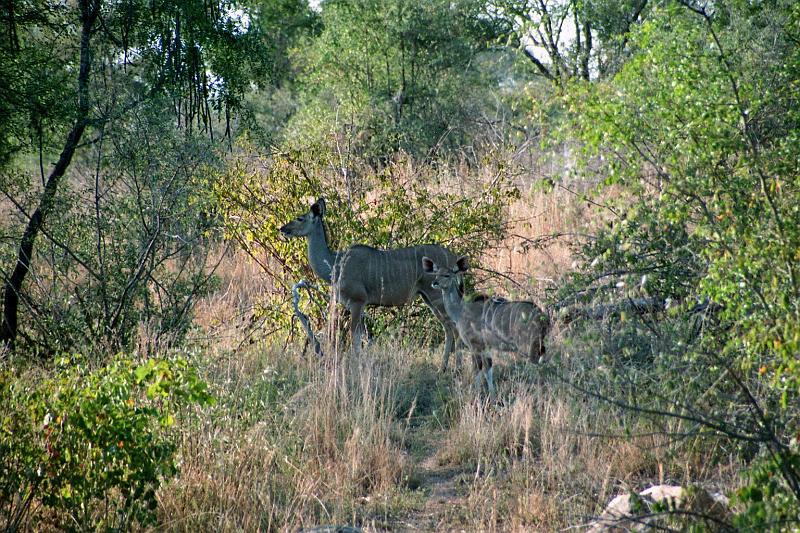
(404, 204)
(87, 448)
(700, 128)
(768, 503)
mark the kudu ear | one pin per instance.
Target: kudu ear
(319, 208)
(462, 264)
(428, 266)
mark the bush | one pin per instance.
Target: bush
(701, 128)
(769, 505)
(406, 203)
(87, 448)
(126, 245)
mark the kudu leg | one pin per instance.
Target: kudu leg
(356, 325)
(451, 345)
(488, 373)
(536, 352)
(449, 342)
(450, 333)
(478, 367)
(457, 346)
(484, 371)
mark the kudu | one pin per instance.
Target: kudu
(362, 275)
(488, 323)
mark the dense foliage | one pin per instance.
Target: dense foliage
(402, 205)
(386, 76)
(702, 126)
(143, 141)
(137, 98)
(92, 446)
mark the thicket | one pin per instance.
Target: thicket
(112, 113)
(701, 126)
(387, 76)
(139, 139)
(402, 204)
(87, 448)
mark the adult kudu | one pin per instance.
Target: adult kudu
(362, 275)
(489, 323)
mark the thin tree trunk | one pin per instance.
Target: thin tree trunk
(13, 286)
(578, 39)
(586, 52)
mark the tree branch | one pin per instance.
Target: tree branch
(89, 10)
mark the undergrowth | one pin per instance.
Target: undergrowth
(296, 442)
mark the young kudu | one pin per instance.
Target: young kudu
(489, 323)
(362, 275)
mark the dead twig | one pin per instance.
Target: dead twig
(302, 317)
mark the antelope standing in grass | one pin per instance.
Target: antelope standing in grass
(362, 275)
(488, 323)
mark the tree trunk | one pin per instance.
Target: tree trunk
(586, 52)
(13, 286)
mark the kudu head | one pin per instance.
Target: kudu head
(306, 223)
(445, 277)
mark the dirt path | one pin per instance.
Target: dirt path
(443, 486)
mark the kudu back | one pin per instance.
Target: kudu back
(362, 275)
(486, 323)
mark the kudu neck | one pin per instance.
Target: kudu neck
(321, 257)
(453, 302)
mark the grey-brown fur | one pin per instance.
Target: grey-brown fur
(362, 275)
(489, 323)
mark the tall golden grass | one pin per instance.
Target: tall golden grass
(384, 441)
(297, 442)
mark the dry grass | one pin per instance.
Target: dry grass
(292, 443)
(225, 316)
(297, 442)
(386, 442)
(540, 460)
